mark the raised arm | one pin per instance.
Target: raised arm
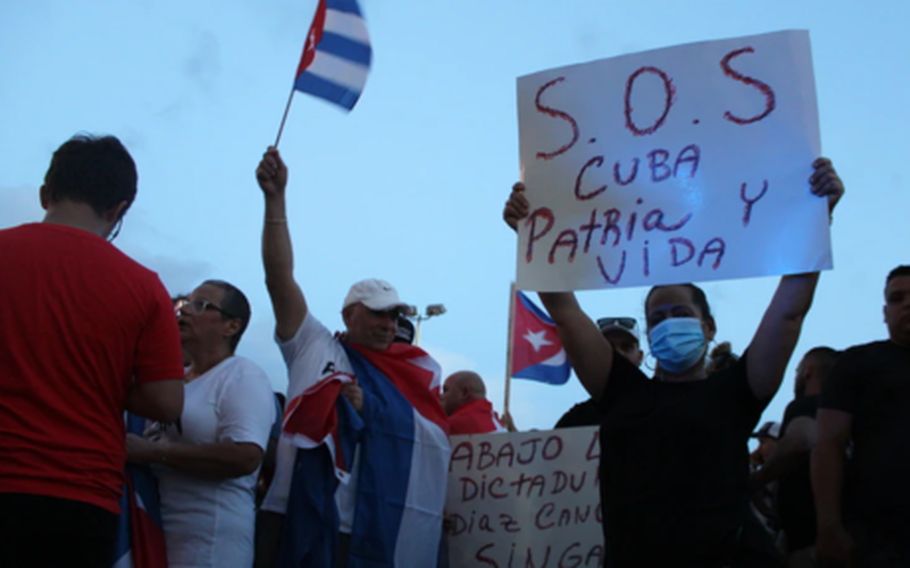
(588, 351)
(287, 298)
(782, 323)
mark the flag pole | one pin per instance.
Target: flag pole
(511, 335)
(285, 117)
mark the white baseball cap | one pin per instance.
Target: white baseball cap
(375, 294)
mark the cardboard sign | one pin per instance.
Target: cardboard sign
(525, 499)
(683, 164)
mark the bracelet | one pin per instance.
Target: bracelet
(276, 221)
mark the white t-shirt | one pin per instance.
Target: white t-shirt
(310, 355)
(210, 523)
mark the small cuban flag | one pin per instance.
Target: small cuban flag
(537, 353)
(337, 54)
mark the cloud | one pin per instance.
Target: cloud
(203, 66)
(201, 70)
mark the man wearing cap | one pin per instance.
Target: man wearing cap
(623, 335)
(464, 399)
(354, 452)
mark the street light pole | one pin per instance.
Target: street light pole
(430, 311)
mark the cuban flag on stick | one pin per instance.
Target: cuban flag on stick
(537, 353)
(336, 56)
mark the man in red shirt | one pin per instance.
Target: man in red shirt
(86, 333)
(464, 399)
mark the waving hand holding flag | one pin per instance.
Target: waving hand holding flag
(537, 353)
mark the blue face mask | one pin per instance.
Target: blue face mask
(677, 343)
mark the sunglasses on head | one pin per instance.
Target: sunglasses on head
(625, 323)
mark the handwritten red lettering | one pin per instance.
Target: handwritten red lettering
(670, 93)
(567, 238)
(541, 519)
(464, 451)
(590, 227)
(596, 161)
(562, 115)
(715, 246)
(547, 215)
(486, 459)
(747, 210)
(674, 251)
(691, 155)
(593, 453)
(611, 223)
(552, 448)
(531, 445)
(625, 181)
(480, 557)
(657, 160)
(770, 98)
(603, 271)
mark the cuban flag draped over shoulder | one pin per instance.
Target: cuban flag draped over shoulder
(337, 54)
(537, 353)
(140, 536)
(401, 435)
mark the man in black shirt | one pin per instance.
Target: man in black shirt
(789, 463)
(863, 501)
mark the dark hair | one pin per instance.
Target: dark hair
(721, 357)
(902, 270)
(97, 171)
(235, 305)
(824, 358)
(698, 297)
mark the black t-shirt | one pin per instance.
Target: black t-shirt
(675, 465)
(872, 382)
(796, 505)
(587, 413)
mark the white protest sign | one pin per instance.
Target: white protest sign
(682, 164)
(525, 499)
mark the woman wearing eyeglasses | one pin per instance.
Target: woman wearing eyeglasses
(674, 461)
(207, 462)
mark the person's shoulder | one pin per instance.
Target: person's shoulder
(863, 353)
(240, 366)
(864, 348)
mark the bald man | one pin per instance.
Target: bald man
(464, 399)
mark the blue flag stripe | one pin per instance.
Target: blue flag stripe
(542, 315)
(347, 6)
(549, 374)
(345, 48)
(385, 467)
(319, 87)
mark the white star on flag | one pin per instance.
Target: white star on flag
(537, 340)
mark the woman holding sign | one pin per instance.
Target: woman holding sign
(674, 450)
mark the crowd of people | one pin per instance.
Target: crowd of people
(351, 470)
